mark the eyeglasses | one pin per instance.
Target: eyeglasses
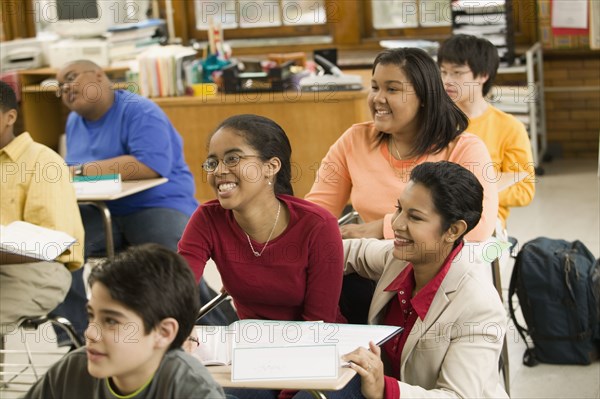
(453, 74)
(70, 78)
(230, 161)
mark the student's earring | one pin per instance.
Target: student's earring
(269, 182)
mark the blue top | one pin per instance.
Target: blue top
(135, 126)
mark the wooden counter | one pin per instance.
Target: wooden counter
(312, 121)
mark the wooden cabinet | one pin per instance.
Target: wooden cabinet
(312, 121)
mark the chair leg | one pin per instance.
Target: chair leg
(505, 367)
(30, 361)
(2, 385)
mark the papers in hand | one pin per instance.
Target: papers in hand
(97, 185)
(26, 239)
(278, 344)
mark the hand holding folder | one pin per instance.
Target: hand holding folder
(292, 347)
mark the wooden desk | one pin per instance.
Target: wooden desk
(128, 188)
(312, 121)
(222, 375)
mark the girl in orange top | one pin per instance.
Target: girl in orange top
(414, 121)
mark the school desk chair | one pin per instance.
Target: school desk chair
(18, 376)
(495, 264)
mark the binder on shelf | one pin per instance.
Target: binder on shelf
(486, 19)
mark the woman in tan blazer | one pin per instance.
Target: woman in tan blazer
(432, 284)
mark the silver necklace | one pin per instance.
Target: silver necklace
(396, 148)
(256, 253)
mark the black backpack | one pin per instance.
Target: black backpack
(558, 287)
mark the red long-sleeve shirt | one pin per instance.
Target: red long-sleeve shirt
(298, 276)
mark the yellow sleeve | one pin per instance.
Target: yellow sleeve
(51, 203)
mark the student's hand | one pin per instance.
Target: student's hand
(363, 230)
(368, 364)
(191, 343)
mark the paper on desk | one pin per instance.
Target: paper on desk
(277, 333)
(284, 362)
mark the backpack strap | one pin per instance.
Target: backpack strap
(529, 356)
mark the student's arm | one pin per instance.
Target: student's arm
(367, 257)
(127, 165)
(195, 244)
(518, 158)
(51, 203)
(373, 229)
(325, 273)
(332, 186)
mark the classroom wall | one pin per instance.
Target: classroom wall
(572, 91)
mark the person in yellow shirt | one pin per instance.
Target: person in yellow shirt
(468, 66)
(35, 188)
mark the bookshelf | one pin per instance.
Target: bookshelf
(491, 20)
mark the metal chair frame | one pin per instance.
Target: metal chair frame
(9, 378)
(504, 364)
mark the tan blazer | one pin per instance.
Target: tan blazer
(455, 351)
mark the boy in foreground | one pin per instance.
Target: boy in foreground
(142, 308)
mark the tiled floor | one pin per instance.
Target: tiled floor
(566, 206)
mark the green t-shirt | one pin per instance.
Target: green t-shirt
(179, 375)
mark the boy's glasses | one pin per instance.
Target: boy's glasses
(453, 74)
(230, 161)
(70, 78)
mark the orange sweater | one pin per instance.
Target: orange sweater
(356, 170)
(510, 150)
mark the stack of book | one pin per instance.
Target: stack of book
(97, 185)
(125, 42)
(162, 70)
(487, 19)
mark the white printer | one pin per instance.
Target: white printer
(67, 50)
(21, 54)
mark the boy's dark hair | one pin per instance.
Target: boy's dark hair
(8, 98)
(456, 192)
(155, 283)
(478, 53)
(270, 140)
(440, 120)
